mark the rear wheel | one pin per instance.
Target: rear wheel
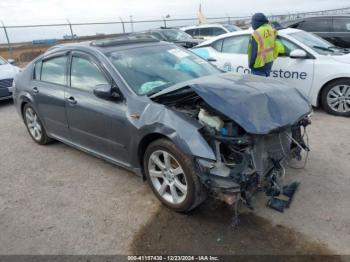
(34, 125)
(335, 98)
(172, 176)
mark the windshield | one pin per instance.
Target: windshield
(232, 28)
(315, 42)
(2, 61)
(176, 35)
(149, 70)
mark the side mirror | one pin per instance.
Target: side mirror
(106, 91)
(11, 61)
(298, 54)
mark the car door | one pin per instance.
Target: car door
(341, 32)
(298, 73)
(95, 124)
(48, 89)
(231, 55)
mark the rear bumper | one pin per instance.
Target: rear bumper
(6, 92)
(5, 95)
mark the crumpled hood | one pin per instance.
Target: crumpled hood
(258, 104)
(342, 58)
(8, 71)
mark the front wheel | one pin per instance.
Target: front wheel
(172, 176)
(335, 97)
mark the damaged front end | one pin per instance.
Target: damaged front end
(251, 147)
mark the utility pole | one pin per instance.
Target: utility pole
(71, 29)
(121, 20)
(8, 39)
(132, 24)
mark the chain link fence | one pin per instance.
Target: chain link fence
(25, 42)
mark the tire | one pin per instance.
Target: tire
(335, 97)
(171, 176)
(34, 125)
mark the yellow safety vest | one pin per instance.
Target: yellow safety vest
(265, 36)
(279, 49)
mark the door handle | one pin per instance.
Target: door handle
(35, 90)
(72, 100)
(211, 59)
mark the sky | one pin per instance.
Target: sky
(25, 12)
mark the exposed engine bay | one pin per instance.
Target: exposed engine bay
(245, 162)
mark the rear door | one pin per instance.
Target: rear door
(48, 89)
(95, 124)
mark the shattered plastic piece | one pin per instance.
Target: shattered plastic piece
(289, 191)
(277, 204)
(212, 121)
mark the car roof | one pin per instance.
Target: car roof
(201, 26)
(298, 20)
(284, 31)
(110, 44)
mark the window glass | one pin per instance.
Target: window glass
(54, 69)
(176, 35)
(153, 68)
(236, 45)
(37, 70)
(206, 31)
(191, 32)
(218, 31)
(2, 61)
(217, 45)
(85, 75)
(157, 36)
(315, 42)
(341, 24)
(288, 46)
(232, 28)
(316, 25)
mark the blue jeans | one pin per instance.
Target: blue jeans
(262, 71)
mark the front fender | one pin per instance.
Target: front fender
(176, 126)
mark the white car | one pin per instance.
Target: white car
(208, 31)
(7, 74)
(317, 68)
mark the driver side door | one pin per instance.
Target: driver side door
(95, 124)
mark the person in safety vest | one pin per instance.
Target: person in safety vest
(262, 46)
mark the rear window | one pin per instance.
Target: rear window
(341, 24)
(316, 25)
(53, 70)
(236, 44)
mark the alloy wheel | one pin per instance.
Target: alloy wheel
(338, 98)
(33, 124)
(167, 177)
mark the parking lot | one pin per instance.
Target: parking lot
(57, 200)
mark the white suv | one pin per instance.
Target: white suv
(208, 31)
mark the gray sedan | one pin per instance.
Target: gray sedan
(167, 115)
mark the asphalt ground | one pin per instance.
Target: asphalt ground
(57, 200)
